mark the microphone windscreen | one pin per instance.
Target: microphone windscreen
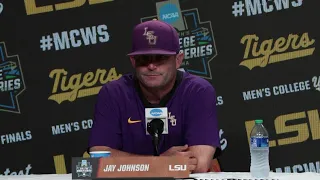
(155, 126)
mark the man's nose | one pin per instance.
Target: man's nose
(152, 66)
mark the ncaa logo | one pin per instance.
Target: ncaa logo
(169, 13)
(197, 41)
(156, 112)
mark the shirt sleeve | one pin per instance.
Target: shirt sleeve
(201, 121)
(106, 128)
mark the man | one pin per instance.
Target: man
(119, 122)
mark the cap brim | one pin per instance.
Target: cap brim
(152, 52)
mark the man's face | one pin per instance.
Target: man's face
(155, 71)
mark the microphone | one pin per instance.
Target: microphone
(155, 129)
(156, 124)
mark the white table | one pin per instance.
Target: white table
(199, 176)
(238, 175)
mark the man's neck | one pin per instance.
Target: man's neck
(154, 95)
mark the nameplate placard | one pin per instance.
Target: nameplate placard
(119, 167)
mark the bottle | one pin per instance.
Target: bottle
(259, 151)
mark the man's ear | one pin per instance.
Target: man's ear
(133, 61)
(179, 59)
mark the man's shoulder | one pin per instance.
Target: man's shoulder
(123, 84)
(195, 82)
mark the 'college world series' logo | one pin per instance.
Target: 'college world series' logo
(196, 37)
(11, 81)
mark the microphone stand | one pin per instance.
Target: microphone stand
(155, 140)
(155, 129)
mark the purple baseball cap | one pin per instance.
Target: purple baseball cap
(154, 37)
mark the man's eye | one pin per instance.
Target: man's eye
(163, 57)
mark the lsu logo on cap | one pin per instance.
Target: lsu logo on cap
(150, 36)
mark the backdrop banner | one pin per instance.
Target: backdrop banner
(261, 56)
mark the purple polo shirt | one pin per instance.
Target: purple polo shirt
(193, 105)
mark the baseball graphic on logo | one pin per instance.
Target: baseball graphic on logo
(1, 8)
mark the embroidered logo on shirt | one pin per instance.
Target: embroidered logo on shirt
(133, 121)
(172, 119)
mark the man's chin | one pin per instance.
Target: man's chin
(153, 85)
